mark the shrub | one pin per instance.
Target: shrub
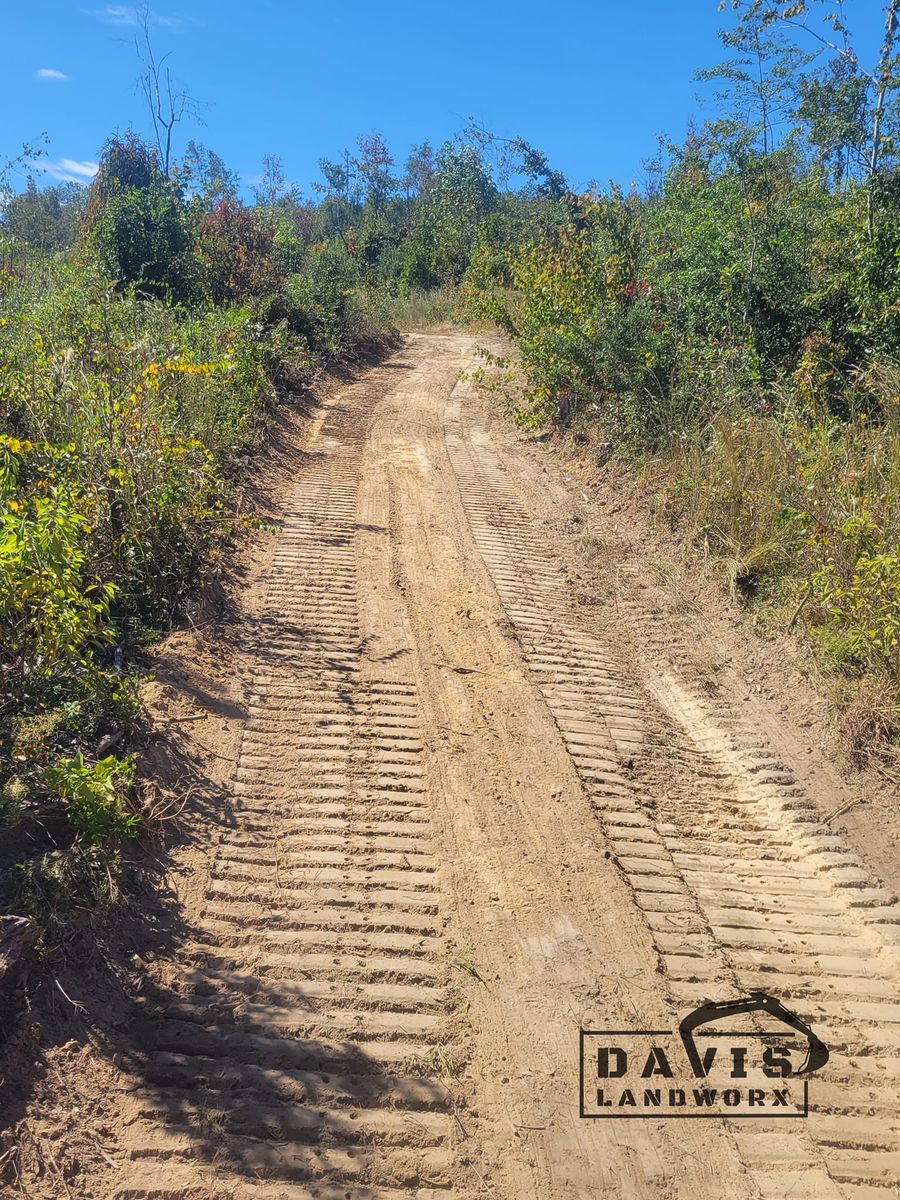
(51, 603)
(94, 796)
(138, 224)
(235, 248)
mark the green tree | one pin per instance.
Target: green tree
(373, 170)
(419, 169)
(833, 108)
(759, 85)
(451, 218)
(273, 188)
(46, 218)
(138, 223)
(832, 33)
(203, 172)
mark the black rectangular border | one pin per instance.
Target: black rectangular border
(717, 1116)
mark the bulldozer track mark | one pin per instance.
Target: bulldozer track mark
(734, 874)
(316, 983)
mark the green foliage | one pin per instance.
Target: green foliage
(863, 611)
(140, 410)
(331, 280)
(47, 886)
(51, 604)
(94, 796)
(450, 219)
(833, 106)
(142, 238)
(124, 417)
(801, 511)
(140, 227)
(873, 280)
(46, 219)
(585, 322)
(204, 174)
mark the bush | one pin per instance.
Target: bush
(94, 796)
(804, 511)
(137, 223)
(125, 416)
(51, 604)
(142, 238)
(235, 248)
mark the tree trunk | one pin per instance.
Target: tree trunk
(884, 79)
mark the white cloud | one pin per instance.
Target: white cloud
(125, 15)
(50, 73)
(67, 170)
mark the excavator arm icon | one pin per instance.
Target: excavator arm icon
(817, 1051)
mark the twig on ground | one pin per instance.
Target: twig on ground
(62, 1178)
(461, 670)
(799, 609)
(550, 625)
(487, 1186)
(107, 1158)
(76, 1004)
(841, 809)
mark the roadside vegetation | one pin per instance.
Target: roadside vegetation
(732, 330)
(149, 325)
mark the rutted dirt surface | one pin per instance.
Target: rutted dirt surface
(474, 809)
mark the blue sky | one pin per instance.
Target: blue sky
(592, 84)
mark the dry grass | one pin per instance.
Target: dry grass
(870, 722)
(420, 311)
(442, 1061)
(801, 519)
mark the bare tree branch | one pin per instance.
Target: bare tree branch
(167, 104)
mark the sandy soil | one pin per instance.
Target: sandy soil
(473, 763)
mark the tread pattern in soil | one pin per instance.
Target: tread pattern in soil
(740, 884)
(294, 1060)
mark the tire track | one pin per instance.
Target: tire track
(294, 1059)
(740, 886)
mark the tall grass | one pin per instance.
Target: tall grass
(803, 517)
(419, 311)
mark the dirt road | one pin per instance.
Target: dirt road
(472, 814)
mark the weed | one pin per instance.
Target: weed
(707, 669)
(462, 962)
(48, 886)
(441, 1061)
(94, 796)
(870, 721)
